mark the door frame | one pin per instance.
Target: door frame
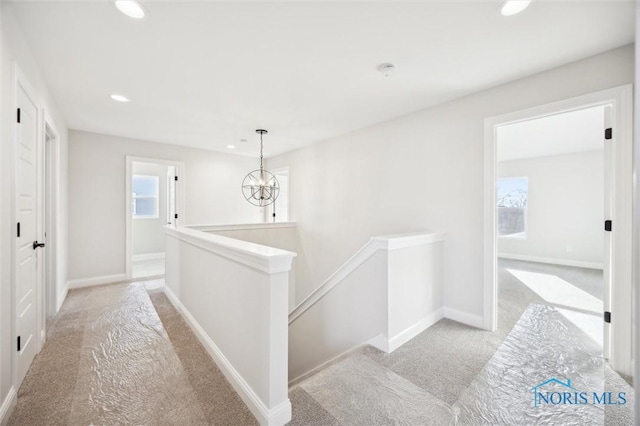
(52, 297)
(621, 101)
(180, 200)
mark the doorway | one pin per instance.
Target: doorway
(52, 298)
(552, 198)
(615, 107)
(154, 200)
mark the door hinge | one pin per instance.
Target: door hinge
(18, 115)
(607, 317)
(176, 177)
(19, 344)
(608, 133)
(608, 225)
(176, 215)
(18, 229)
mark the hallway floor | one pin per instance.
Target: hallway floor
(147, 268)
(112, 357)
(121, 354)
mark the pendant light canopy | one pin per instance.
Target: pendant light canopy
(260, 187)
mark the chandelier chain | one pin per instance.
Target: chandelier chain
(260, 151)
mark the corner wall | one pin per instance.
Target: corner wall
(15, 50)
(421, 172)
(97, 168)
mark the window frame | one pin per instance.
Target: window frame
(135, 197)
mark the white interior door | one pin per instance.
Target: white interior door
(26, 277)
(171, 196)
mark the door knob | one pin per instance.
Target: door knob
(37, 244)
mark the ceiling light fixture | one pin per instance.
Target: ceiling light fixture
(260, 187)
(131, 8)
(513, 7)
(386, 69)
(231, 146)
(120, 98)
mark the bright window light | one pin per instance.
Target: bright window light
(131, 8)
(120, 98)
(513, 7)
(575, 304)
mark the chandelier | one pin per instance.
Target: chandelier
(260, 187)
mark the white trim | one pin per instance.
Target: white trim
(266, 259)
(621, 100)
(241, 227)
(400, 241)
(552, 261)
(389, 345)
(180, 200)
(279, 415)
(89, 282)
(147, 256)
(464, 317)
(336, 359)
(343, 272)
(390, 242)
(7, 405)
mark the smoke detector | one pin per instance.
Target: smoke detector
(386, 69)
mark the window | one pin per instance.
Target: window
(145, 192)
(281, 206)
(513, 196)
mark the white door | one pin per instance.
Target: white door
(26, 217)
(172, 183)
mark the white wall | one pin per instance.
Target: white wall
(97, 168)
(565, 208)
(233, 294)
(421, 172)
(285, 238)
(147, 235)
(15, 50)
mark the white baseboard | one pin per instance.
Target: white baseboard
(552, 261)
(147, 256)
(88, 282)
(7, 405)
(390, 345)
(464, 317)
(278, 415)
(304, 376)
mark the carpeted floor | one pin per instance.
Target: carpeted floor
(445, 360)
(110, 359)
(121, 354)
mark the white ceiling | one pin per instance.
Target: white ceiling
(206, 74)
(570, 132)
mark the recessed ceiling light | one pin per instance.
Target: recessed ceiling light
(120, 98)
(231, 146)
(513, 7)
(131, 8)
